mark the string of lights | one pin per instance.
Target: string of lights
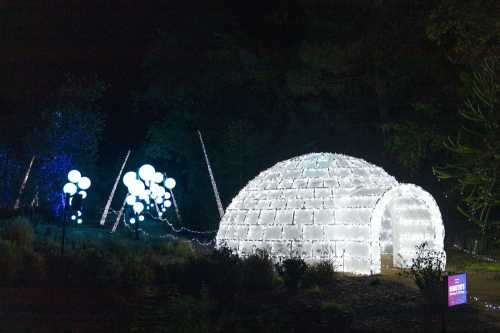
(487, 305)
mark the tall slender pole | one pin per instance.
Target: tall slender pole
(112, 194)
(120, 213)
(23, 185)
(137, 228)
(212, 179)
(63, 236)
(177, 212)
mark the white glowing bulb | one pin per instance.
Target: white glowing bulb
(69, 188)
(84, 183)
(167, 203)
(167, 195)
(147, 172)
(73, 217)
(160, 214)
(170, 183)
(130, 200)
(138, 207)
(136, 187)
(158, 191)
(132, 220)
(79, 221)
(154, 190)
(158, 177)
(159, 200)
(83, 194)
(164, 209)
(141, 218)
(79, 213)
(74, 176)
(129, 177)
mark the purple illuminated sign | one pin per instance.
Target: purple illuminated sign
(457, 289)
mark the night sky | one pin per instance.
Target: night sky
(264, 81)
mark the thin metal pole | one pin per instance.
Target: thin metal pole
(177, 212)
(112, 194)
(137, 229)
(120, 213)
(23, 185)
(212, 179)
(66, 202)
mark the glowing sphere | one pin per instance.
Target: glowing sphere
(69, 188)
(138, 207)
(79, 213)
(73, 217)
(164, 209)
(132, 220)
(79, 221)
(84, 183)
(74, 176)
(141, 218)
(147, 172)
(158, 191)
(159, 200)
(130, 200)
(83, 194)
(158, 177)
(154, 190)
(167, 195)
(170, 183)
(136, 187)
(129, 178)
(167, 203)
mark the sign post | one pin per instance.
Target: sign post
(455, 287)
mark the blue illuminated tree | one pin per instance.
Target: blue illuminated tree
(69, 135)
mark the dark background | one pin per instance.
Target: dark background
(263, 80)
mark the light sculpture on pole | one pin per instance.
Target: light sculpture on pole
(147, 193)
(75, 191)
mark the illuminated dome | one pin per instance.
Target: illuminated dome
(324, 206)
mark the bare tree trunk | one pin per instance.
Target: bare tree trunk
(112, 194)
(23, 185)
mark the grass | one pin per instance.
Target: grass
(483, 267)
(193, 290)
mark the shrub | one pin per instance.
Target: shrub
(258, 272)
(34, 268)
(19, 231)
(427, 269)
(319, 274)
(225, 274)
(135, 272)
(292, 271)
(188, 314)
(336, 315)
(10, 262)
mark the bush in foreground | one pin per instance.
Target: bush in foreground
(292, 271)
(427, 270)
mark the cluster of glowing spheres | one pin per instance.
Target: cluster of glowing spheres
(147, 188)
(331, 207)
(76, 184)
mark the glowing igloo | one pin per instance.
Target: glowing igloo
(324, 206)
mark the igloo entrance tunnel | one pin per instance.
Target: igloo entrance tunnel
(324, 206)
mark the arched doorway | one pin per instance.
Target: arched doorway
(404, 217)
